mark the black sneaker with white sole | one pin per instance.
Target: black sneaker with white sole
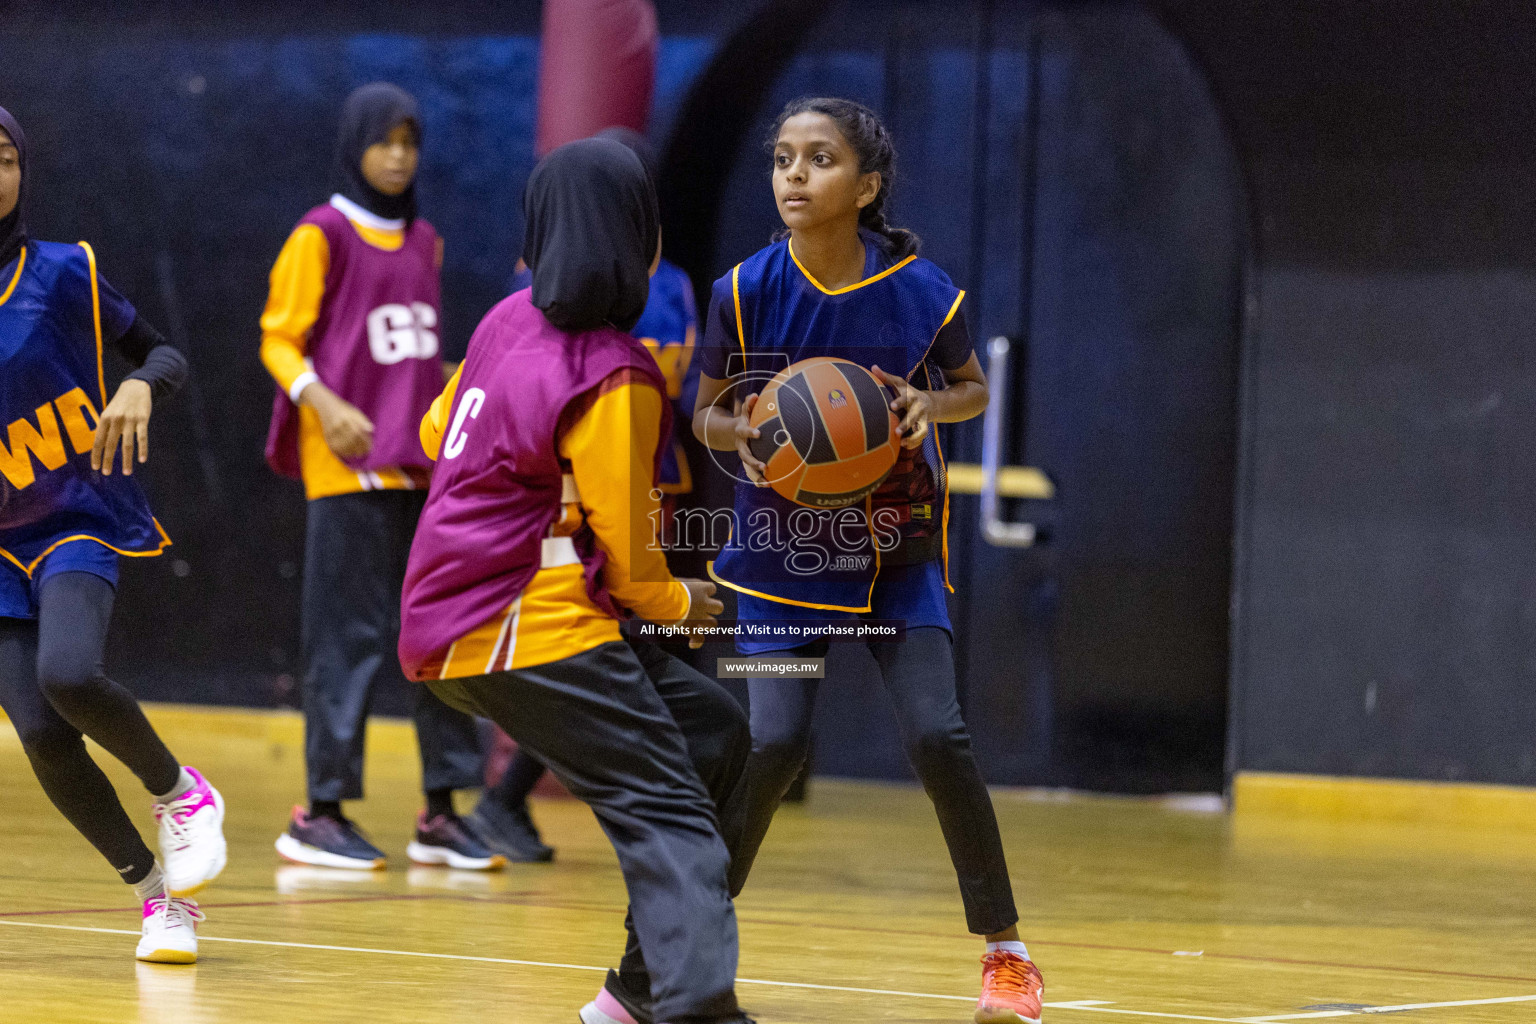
(509, 831)
(444, 840)
(326, 842)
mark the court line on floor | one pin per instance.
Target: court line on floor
(1387, 1009)
(584, 967)
(1081, 1005)
(532, 899)
(1254, 958)
(1131, 1013)
(383, 897)
(1207, 955)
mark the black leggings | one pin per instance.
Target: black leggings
(654, 749)
(54, 690)
(919, 674)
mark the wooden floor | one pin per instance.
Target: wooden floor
(1133, 910)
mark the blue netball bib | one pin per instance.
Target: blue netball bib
(667, 329)
(52, 388)
(827, 559)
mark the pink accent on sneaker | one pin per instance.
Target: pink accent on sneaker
(185, 808)
(153, 904)
(611, 1007)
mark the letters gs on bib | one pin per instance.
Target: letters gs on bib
(397, 332)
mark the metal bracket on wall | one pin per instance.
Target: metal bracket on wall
(994, 528)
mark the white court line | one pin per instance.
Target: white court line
(480, 959)
(1388, 1009)
(1076, 1005)
(1085, 1005)
(1132, 1013)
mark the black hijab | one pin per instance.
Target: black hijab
(13, 226)
(590, 234)
(367, 118)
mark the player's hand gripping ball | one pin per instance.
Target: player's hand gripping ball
(826, 432)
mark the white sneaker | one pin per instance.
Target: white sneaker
(170, 931)
(192, 847)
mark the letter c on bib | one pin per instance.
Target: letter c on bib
(469, 408)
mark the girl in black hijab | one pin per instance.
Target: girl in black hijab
(502, 817)
(537, 541)
(13, 167)
(350, 337)
(369, 114)
(591, 256)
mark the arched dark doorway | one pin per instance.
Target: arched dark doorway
(1068, 166)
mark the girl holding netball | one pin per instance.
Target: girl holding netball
(842, 282)
(536, 542)
(65, 517)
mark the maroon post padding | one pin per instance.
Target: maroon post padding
(597, 68)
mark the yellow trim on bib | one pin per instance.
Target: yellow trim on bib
(949, 316)
(939, 447)
(874, 542)
(101, 375)
(935, 339)
(741, 335)
(21, 263)
(165, 542)
(944, 521)
(887, 272)
(15, 561)
(780, 600)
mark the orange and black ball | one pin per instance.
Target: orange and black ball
(828, 435)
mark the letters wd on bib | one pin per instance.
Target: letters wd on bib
(53, 311)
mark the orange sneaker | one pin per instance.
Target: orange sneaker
(1011, 990)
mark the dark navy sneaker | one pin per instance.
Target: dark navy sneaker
(509, 831)
(446, 841)
(327, 842)
(615, 1004)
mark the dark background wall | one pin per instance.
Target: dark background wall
(1068, 164)
(1383, 608)
(185, 145)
